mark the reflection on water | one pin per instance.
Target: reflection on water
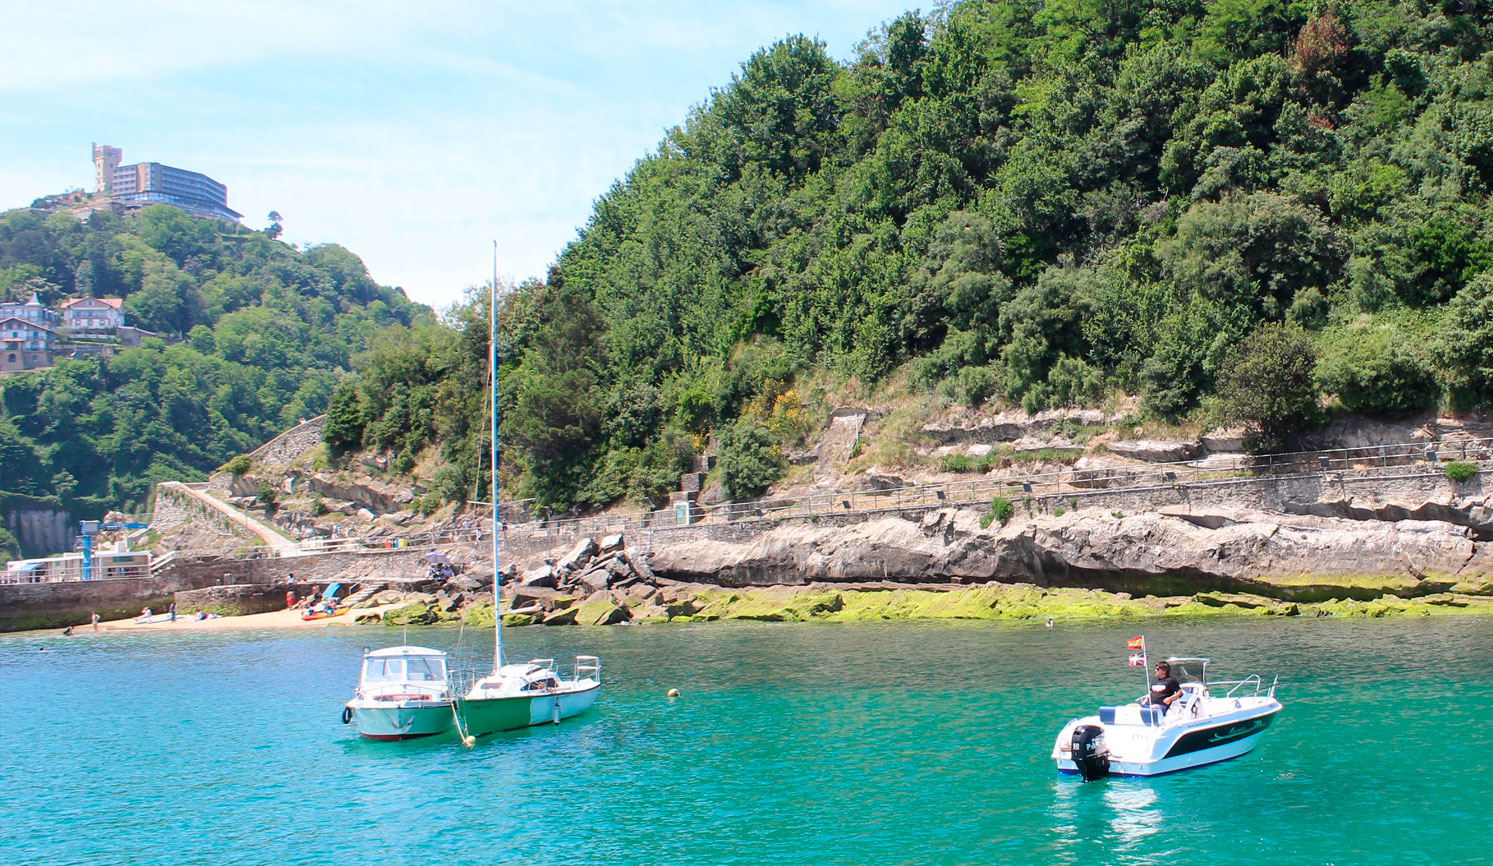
(1134, 815)
(1116, 816)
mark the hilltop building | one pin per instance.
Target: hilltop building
(130, 187)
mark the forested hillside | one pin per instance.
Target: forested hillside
(1239, 210)
(1245, 207)
(253, 336)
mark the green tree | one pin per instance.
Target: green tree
(1268, 386)
(1464, 348)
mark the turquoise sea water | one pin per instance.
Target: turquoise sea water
(875, 743)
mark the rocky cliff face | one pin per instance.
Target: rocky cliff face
(1175, 550)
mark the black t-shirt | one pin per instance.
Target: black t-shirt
(1163, 688)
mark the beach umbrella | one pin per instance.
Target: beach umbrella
(436, 556)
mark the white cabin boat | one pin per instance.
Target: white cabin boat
(1210, 722)
(403, 693)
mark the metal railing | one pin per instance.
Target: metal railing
(1075, 483)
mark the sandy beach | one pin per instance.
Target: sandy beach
(273, 619)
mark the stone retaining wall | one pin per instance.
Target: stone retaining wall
(54, 605)
(235, 600)
(191, 509)
(41, 530)
(281, 449)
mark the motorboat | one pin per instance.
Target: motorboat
(1208, 723)
(403, 693)
(532, 693)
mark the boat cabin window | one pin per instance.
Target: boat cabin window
(412, 669)
(383, 670)
(426, 669)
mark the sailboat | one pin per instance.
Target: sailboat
(532, 693)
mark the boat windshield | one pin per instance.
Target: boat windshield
(1189, 670)
(412, 669)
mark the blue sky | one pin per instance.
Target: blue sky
(415, 134)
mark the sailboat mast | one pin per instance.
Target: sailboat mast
(497, 519)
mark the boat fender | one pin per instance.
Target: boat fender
(347, 715)
(1090, 752)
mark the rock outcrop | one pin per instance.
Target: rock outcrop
(1165, 552)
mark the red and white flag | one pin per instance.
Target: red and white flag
(1137, 659)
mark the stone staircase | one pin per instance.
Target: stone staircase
(365, 592)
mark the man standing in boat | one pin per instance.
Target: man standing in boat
(1164, 689)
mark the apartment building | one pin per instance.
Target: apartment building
(147, 183)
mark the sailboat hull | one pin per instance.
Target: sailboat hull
(483, 716)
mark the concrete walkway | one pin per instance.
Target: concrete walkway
(282, 546)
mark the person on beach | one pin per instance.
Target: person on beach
(173, 611)
(67, 632)
(94, 620)
(289, 599)
(1164, 689)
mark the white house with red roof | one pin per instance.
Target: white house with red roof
(93, 315)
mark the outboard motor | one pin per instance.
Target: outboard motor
(1090, 753)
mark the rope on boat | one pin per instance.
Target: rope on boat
(461, 728)
(453, 687)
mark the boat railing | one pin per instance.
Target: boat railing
(589, 665)
(1237, 687)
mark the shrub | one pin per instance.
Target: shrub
(1377, 370)
(451, 482)
(1460, 470)
(978, 384)
(1059, 511)
(239, 465)
(1001, 509)
(750, 460)
(266, 495)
